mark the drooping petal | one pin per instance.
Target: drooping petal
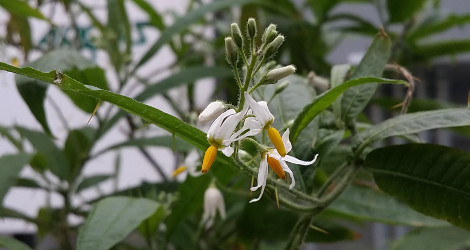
(262, 176)
(221, 207)
(294, 160)
(287, 169)
(228, 125)
(286, 141)
(251, 125)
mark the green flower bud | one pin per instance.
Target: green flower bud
(272, 48)
(280, 73)
(269, 34)
(251, 28)
(231, 51)
(237, 35)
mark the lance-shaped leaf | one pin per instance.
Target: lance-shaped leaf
(112, 219)
(432, 179)
(10, 167)
(12, 243)
(372, 64)
(22, 8)
(433, 238)
(412, 123)
(401, 10)
(324, 100)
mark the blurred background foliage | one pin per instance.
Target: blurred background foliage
(170, 214)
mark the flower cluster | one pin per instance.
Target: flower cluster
(251, 117)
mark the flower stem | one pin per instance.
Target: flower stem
(297, 236)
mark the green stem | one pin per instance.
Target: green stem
(297, 236)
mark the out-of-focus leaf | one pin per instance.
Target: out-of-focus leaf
(49, 220)
(439, 238)
(372, 65)
(77, 148)
(21, 25)
(356, 24)
(10, 167)
(442, 48)
(27, 183)
(157, 141)
(54, 159)
(432, 179)
(92, 181)
(322, 7)
(149, 226)
(118, 22)
(184, 22)
(323, 101)
(155, 18)
(401, 10)
(22, 9)
(436, 26)
(412, 123)
(111, 220)
(368, 204)
(12, 243)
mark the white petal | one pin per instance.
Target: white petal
(260, 109)
(192, 159)
(213, 110)
(227, 151)
(262, 177)
(300, 162)
(286, 141)
(228, 125)
(221, 207)
(287, 169)
(250, 124)
(218, 122)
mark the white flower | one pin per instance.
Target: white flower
(190, 164)
(213, 201)
(213, 110)
(278, 164)
(263, 120)
(220, 136)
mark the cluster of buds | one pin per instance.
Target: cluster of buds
(251, 117)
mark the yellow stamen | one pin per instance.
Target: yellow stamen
(15, 62)
(276, 166)
(277, 141)
(178, 171)
(209, 158)
(277, 197)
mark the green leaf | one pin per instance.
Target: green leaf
(33, 91)
(54, 158)
(118, 22)
(150, 226)
(432, 179)
(372, 65)
(184, 22)
(338, 75)
(21, 8)
(77, 148)
(92, 181)
(157, 141)
(412, 123)
(155, 18)
(12, 243)
(435, 26)
(362, 203)
(10, 167)
(322, 7)
(442, 48)
(439, 238)
(401, 10)
(111, 220)
(323, 101)
(21, 26)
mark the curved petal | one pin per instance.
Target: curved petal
(192, 159)
(250, 124)
(287, 169)
(218, 123)
(262, 176)
(227, 151)
(221, 207)
(260, 109)
(300, 162)
(286, 141)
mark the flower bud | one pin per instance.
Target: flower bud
(212, 111)
(251, 28)
(231, 51)
(277, 74)
(272, 48)
(237, 35)
(269, 34)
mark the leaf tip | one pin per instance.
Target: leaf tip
(383, 34)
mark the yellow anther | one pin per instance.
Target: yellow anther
(178, 171)
(277, 141)
(276, 166)
(15, 62)
(209, 158)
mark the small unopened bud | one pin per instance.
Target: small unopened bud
(269, 34)
(237, 35)
(251, 28)
(272, 48)
(280, 73)
(212, 111)
(231, 51)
